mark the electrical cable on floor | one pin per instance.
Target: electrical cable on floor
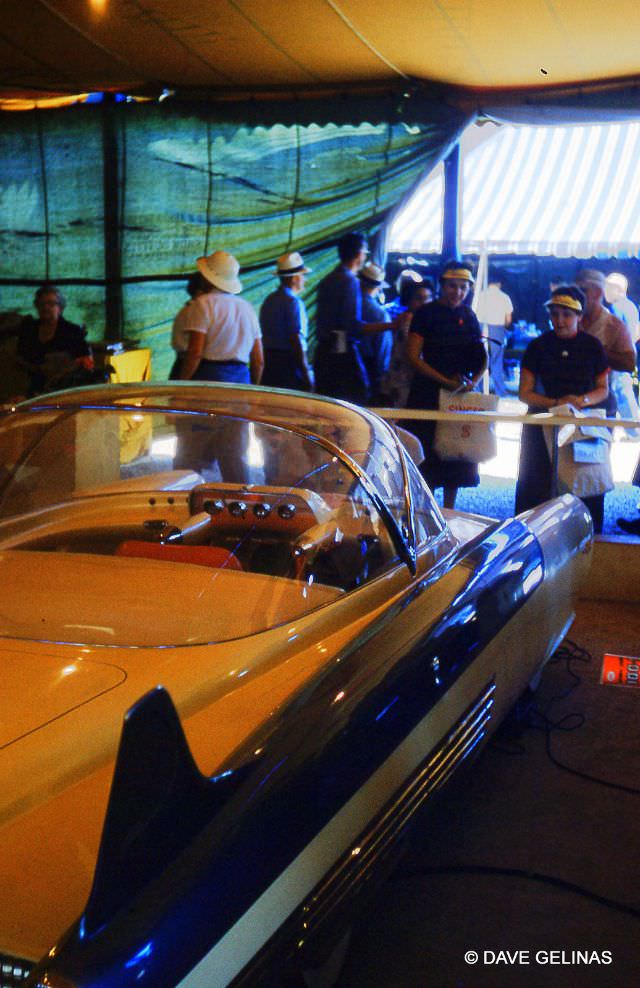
(570, 652)
(530, 716)
(533, 876)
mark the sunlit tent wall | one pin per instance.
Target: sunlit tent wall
(115, 201)
(541, 201)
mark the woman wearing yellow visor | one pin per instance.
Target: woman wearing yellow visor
(562, 366)
(445, 350)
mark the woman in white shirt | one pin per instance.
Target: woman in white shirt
(224, 336)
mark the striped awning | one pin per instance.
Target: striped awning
(564, 191)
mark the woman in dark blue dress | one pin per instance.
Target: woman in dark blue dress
(445, 350)
(560, 367)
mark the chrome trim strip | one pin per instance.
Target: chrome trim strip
(440, 764)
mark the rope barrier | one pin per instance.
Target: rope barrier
(542, 418)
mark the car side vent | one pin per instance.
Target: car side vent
(14, 971)
(459, 744)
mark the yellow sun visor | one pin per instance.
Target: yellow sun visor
(462, 273)
(566, 301)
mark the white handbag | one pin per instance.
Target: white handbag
(584, 467)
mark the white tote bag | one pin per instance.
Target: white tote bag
(460, 440)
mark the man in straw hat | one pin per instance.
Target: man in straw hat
(225, 342)
(283, 320)
(376, 348)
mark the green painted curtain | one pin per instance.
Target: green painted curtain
(185, 181)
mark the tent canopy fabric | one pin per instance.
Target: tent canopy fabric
(230, 46)
(309, 122)
(186, 184)
(568, 191)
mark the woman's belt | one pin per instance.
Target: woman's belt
(224, 363)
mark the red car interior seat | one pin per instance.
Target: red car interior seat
(198, 555)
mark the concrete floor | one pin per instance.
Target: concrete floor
(473, 877)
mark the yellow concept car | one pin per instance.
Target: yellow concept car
(241, 646)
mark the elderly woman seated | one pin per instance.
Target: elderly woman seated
(52, 350)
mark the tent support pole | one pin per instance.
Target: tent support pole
(111, 197)
(451, 203)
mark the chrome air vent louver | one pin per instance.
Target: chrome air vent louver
(460, 742)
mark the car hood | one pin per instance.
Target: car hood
(38, 687)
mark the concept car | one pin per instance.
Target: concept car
(241, 647)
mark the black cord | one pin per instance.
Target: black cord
(531, 717)
(570, 652)
(534, 876)
(549, 727)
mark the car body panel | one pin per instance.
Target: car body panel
(253, 677)
(39, 687)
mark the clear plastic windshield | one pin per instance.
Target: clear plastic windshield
(170, 528)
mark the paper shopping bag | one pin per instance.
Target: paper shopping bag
(460, 440)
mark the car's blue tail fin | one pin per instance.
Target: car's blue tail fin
(159, 802)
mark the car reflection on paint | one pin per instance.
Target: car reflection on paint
(241, 648)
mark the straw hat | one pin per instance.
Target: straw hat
(290, 264)
(221, 270)
(373, 274)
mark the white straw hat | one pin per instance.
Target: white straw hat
(290, 264)
(374, 274)
(221, 270)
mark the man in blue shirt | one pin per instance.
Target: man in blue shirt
(339, 366)
(283, 320)
(375, 347)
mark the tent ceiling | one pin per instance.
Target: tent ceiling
(70, 46)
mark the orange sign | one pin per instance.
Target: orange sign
(620, 670)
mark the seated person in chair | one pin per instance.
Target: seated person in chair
(52, 350)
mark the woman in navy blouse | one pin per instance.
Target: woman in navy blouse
(445, 350)
(560, 367)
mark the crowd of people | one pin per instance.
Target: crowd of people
(401, 354)
(404, 353)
